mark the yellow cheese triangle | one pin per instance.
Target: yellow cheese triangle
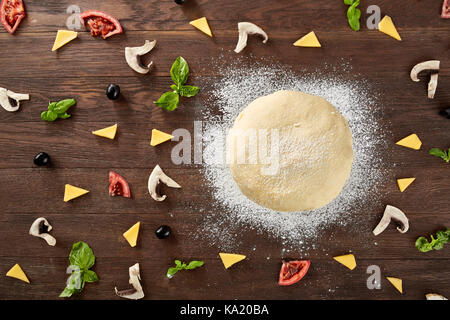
(109, 132)
(17, 272)
(229, 259)
(202, 25)
(159, 137)
(63, 37)
(310, 40)
(132, 234)
(387, 26)
(72, 192)
(347, 260)
(412, 141)
(404, 183)
(397, 283)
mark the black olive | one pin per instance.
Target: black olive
(41, 159)
(445, 113)
(180, 1)
(163, 232)
(113, 92)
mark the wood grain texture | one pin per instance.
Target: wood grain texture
(84, 68)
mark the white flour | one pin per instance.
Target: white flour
(233, 211)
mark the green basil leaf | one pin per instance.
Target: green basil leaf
(436, 152)
(90, 276)
(64, 115)
(353, 14)
(348, 2)
(67, 293)
(172, 271)
(49, 116)
(194, 264)
(174, 87)
(422, 244)
(82, 255)
(52, 106)
(188, 91)
(168, 101)
(179, 71)
(63, 105)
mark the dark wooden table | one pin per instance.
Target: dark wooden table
(83, 70)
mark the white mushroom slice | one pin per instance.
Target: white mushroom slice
(392, 213)
(433, 66)
(435, 296)
(40, 228)
(6, 95)
(136, 292)
(246, 28)
(156, 177)
(133, 56)
(432, 85)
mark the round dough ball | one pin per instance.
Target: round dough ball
(303, 154)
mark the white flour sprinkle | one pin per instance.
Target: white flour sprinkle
(232, 93)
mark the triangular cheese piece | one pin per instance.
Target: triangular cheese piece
(72, 192)
(404, 183)
(132, 234)
(202, 25)
(229, 259)
(159, 137)
(397, 283)
(109, 132)
(310, 40)
(17, 272)
(412, 141)
(387, 26)
(64, 37)
(347, 260)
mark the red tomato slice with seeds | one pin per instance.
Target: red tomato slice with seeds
(446, 9)
(101, 23)
(118, 186)
(293, 271)
(12, 12)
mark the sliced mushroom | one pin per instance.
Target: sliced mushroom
(433, 66)
(392, 213)
(133, 56)
(40, 228)
(7, 95)
(246, 28)
(435, 296)
(156, 177)
(136, 292)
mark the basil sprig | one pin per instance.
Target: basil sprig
(183, 266)
(179, 74)
(353, 14)
(58, 110)
(444, 154)
(81, 260)
(442, 237)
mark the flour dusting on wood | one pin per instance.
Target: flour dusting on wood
(239, 86)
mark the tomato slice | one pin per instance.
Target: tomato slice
(101, 23)
(446, 9)
(293, 271)
(12, 12)
(118, 186)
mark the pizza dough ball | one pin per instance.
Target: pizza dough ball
(290, 151)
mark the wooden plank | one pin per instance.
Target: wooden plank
(86, 56)
(187, 239)
(273, 15)
(326, 279)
